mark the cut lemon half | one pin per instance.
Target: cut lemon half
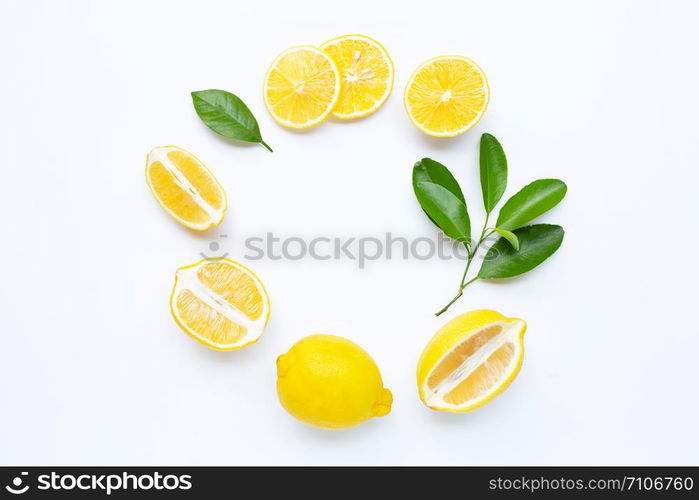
(366, 73)
(185, 188)
(220, 303)
(301, 87)
(470, 360)
(446, 96)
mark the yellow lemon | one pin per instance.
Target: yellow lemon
(470, 360)
(220, 303)
(446, 96)
(366, 72)
(301, 87)
(331, 382)
(185, 188)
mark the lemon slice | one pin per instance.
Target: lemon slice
(366, 72)
(220, 303)
(446, 96)
(470, 360)
(185, 188)
(301, 87)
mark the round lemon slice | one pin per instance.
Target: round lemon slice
(301, 87)
(220, 303)
(185, 188)
(446, 96)
(470, 360)
(366, 72)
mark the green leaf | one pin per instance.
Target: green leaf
(536, 244)
(493, 171)
(227, 115)
(530, 202)
(509, 236)
(445, 209)
(428, 170)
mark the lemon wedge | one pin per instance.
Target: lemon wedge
(470, 360)
(185, 188)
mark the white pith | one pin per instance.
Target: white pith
(186, 279)
(510, 334)
(160, 154)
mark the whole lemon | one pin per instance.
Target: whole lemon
(330, 382)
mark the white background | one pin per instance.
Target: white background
(93, 370)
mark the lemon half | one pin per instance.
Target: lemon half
(220, 303)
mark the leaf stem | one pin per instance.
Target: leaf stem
(267, 146)
(471, 255)
(457, 296)
(444, 309)
(468, 264)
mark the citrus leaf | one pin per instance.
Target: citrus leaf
(445, 209)
(536, 244)
(428, 170)
(509, 236)
(530, 202)
(227, 115)
(493, 171)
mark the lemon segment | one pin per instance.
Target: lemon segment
(446, 96)
(220, 303)
(470, 360)
(330, 382)
(185, 188)
(366, 74)
(301, 87)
